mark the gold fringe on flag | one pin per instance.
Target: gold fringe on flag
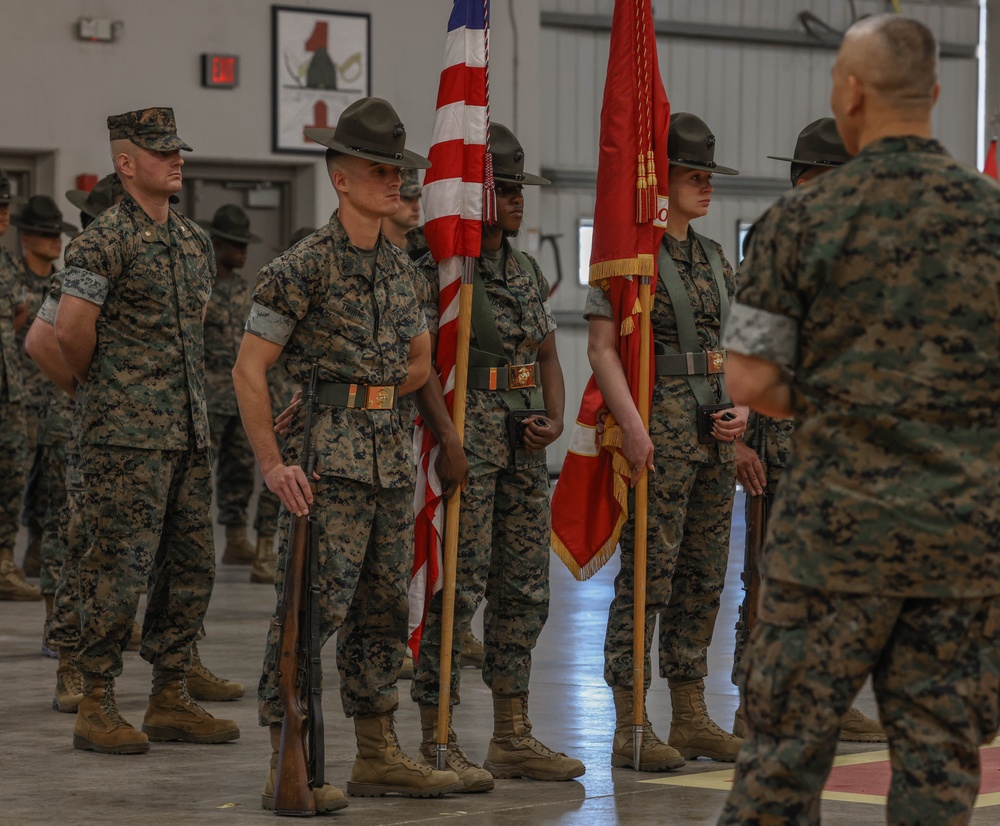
(651, 182)
(601, 271)
(641, 196)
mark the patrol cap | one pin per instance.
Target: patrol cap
(232, 224)
(370, 128)
(41, 216)
(106, 192)
(508, 158)
(819, 144)
(153, 128)
(410, 187)
(691, 144)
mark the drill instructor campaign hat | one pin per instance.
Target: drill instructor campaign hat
(231, 223)
(508, 158)
(41, 216)
(153, 128)
(370, 128)
(819, 144)
(691, 144)
(105, 193)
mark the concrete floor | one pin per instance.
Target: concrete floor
(44, 780)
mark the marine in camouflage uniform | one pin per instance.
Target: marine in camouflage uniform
(503, 550)
(41, 227)
(343, 299)
(691, 493)
(141, 276)
(13, 453)
(869, 311)
(818, 149)
(224, 321)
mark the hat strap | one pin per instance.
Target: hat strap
(708, 164)
(394, 155)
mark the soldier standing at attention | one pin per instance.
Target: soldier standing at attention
(129, 327)
(818, 149)
(13, 439)
(870, 312)
(691, 435)
(503, 552)
(41, 229)
(224, 320)
(343, 299)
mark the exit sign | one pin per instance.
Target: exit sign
(220, 71)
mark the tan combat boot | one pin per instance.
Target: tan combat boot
(474, 778)
(328, 798)
(858, 728)
(692, 731)
(472, 652)
(32, 564)
(381, 767)
(173, 715)
(655, 755)
(202, 684)
(238, 550)
(13, 588)
(739, 722)
(513, 752)
(69, 684)
(265, 560)
(99, 727)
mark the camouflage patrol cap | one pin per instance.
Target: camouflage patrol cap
(41, 216)
(106, 192)
(819, 144)
(153, 128)
(691, 144)
(232, 224)
(410, 187)
(508, 158)
(371, 129)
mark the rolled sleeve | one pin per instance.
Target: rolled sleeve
(47, 312)
(269, 325)
(598, 304)
(86, 285)
(756, 332)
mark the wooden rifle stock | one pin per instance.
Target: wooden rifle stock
(300, 754)
(756, 525)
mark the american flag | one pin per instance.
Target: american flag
(453, 211)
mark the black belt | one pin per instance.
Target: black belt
(355, 396)
(505, 377)
(691, 364)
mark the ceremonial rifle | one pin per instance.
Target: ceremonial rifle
(756, 526)
(300, 677)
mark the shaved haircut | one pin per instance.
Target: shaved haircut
(118, 147)
(897, 57)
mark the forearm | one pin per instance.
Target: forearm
(255, 412)
(77, 347)
(41, 345)
(610, 377)
(760, 384)
(418, 365)
(553, 385)
(430, 402)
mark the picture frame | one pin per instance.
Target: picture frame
(320, 65)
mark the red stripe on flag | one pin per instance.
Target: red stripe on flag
(462, 83)
(456, 235)
(456, 159)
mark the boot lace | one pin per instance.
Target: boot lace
(108, 705)
(456, 755)
(397, 750)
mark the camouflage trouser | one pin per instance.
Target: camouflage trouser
(52, 491)
(62, 627)
(935, 666)
(503, 553)
(234, 466)
(13, 457)
(365, 557)
(690, 507)
(33, 502)
(146, 514)
(268, 507)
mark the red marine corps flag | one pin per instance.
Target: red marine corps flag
(590, 502)
(990, 167)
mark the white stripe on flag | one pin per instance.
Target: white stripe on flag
(441, 198)
(458, 121)
(465, 46)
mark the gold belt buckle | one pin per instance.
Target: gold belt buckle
(716, 361)
(380, 397)
(521, 375)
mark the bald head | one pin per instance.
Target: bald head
(895, 57)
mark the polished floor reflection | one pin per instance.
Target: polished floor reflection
(46, 781)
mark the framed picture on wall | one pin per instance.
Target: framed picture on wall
(321, 64)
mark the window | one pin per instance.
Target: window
(585, 236)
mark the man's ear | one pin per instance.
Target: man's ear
(124, 164)
(855, 97)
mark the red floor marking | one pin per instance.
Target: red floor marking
(873, 778)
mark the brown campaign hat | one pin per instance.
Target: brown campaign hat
(370, 128)
(691, 144)
(410, 186)
(106, 192)
(508, 158)
(41, 216)
(819, 144)
(232, 224)
(153, 128)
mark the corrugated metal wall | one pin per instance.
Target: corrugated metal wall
(755, 96)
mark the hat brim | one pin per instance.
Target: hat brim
(168, 144)
(717, 169)
(65, 229)
(405, 160)
(78, 198)
(232, 236)
(525, 178)
(808, 162)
